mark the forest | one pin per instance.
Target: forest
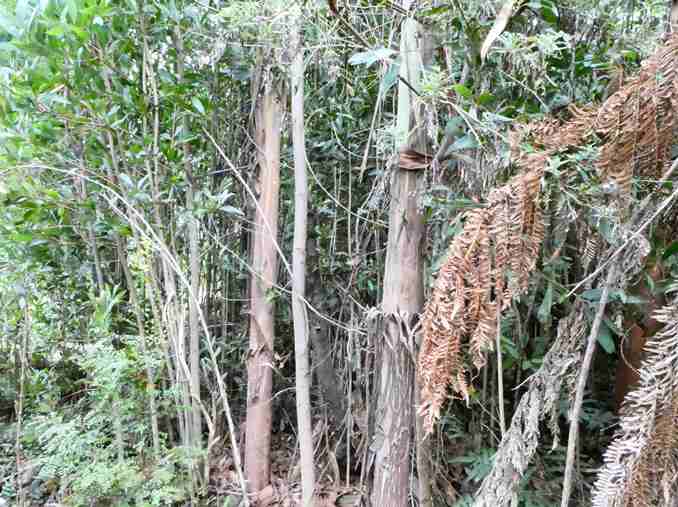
(342, 253)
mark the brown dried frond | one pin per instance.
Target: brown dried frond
(442, 324)
(641, 463)
(517, 229)
(637, 122)
(463, 306)
(490, 261)
(591, 249)
(480, 317)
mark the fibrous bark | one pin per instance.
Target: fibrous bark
(403, 294)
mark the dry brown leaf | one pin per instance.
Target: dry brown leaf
(413, 160)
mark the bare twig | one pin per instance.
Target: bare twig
(665, 204)
(581, 384)
(500, 376)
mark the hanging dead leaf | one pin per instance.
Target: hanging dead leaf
(499, 25)
(413, 160)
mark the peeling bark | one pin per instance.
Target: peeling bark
(265, 266)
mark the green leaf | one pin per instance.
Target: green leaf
(436, 10)
(547, 8)
(462, 90)
(605, 338)
(671, 250)
(371, 56)
(484, 98)
(197, 105)
(56, 31)
(22, 237)
(70, 10)
(544, 313)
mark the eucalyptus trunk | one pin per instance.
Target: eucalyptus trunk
(300, 316)
(403, 295)
(264, 262)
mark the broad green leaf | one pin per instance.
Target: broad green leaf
(56, 30)
(605, 338)
(197, 104)
(22, 237)
(462, 90)
(484, 99)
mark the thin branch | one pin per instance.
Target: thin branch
(247, 188)
(581, 385)
(665, 204)
(500, 375)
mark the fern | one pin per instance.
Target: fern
(641, 464)
(635, 126)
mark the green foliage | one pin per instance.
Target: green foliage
(75, 451)
(539, 487)
(88, 159)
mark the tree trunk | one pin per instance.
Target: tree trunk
(264, 266)
(300, 316)
(403, 295)
(193, 317)
(195, 420)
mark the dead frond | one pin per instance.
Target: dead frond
(540, 401)
(462, 308)
(490, 261)
(641, 465)
(637, 122)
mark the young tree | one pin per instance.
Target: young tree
(301, 331)
(403, 295)
(264, 262)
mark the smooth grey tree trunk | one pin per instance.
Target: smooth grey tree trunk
(300, 316)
